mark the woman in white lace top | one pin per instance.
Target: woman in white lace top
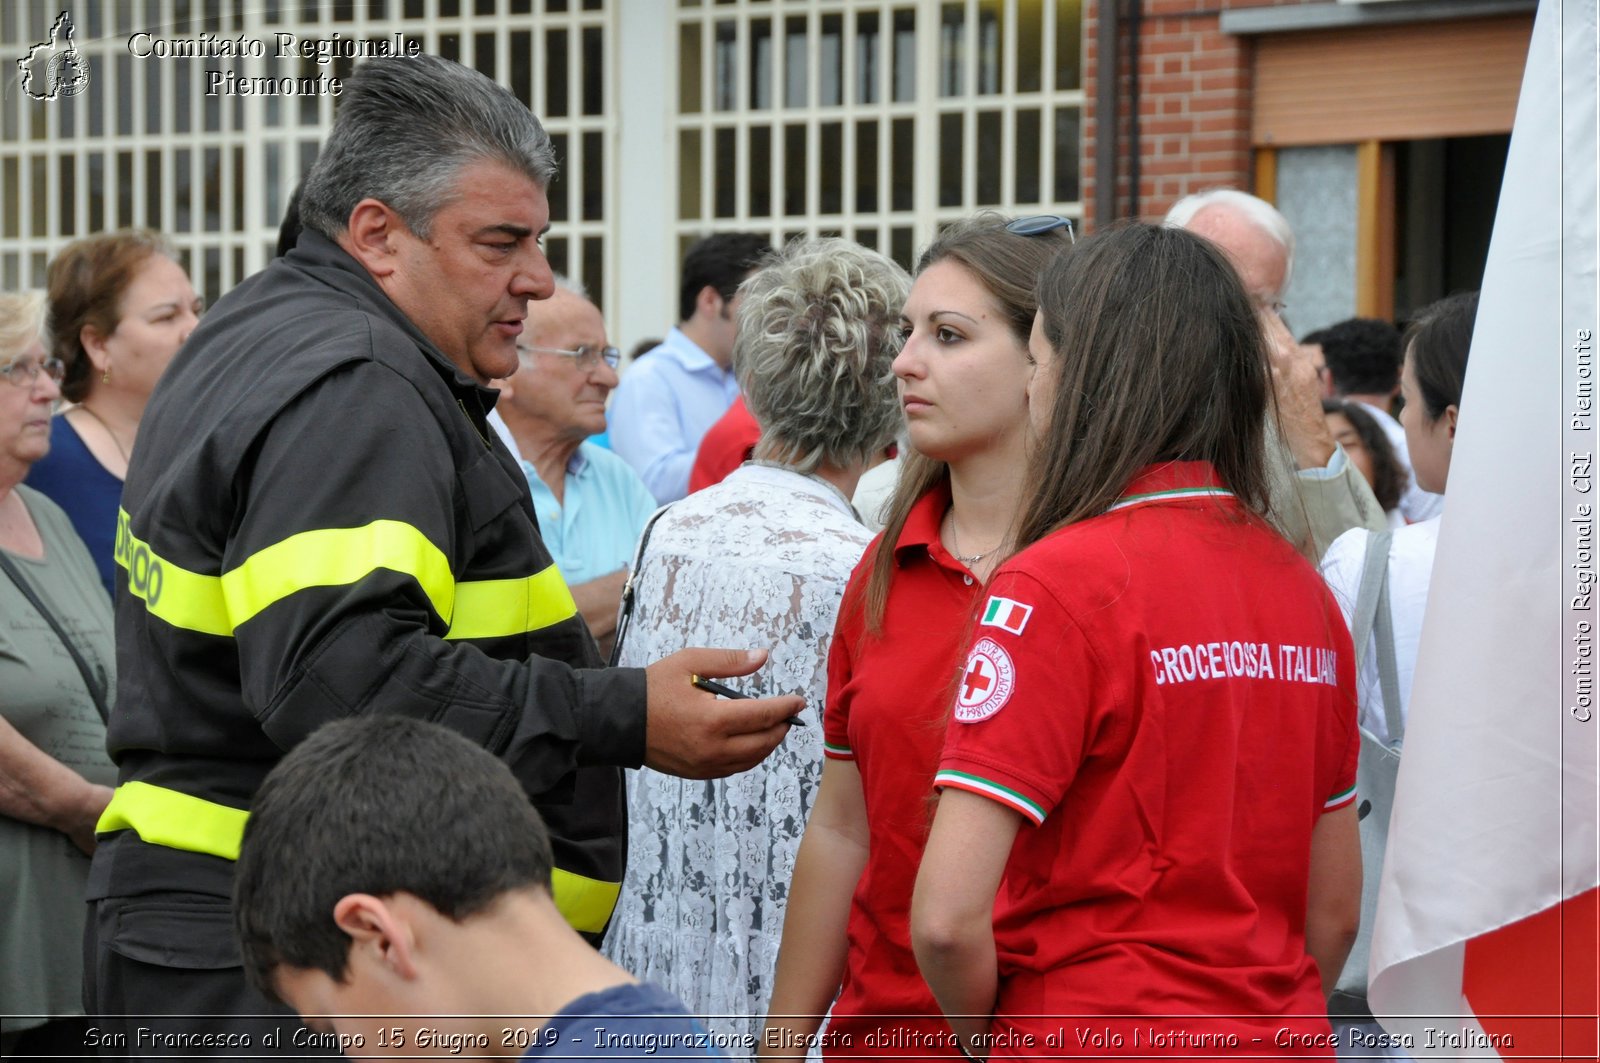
(759, 560)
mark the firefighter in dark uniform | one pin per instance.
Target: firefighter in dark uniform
(318, 523)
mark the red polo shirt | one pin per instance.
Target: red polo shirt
(1166, 695)
(888, 698)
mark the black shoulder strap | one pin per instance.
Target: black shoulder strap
(625, 610)
(89, 679)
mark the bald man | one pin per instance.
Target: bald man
(1317, 493)
(591, 505)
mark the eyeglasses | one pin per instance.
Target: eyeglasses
(1039, 224)
(23, 374)
(586, 356)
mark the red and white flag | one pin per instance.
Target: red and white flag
(1485, 941)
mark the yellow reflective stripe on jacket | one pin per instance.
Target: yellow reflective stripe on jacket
(178, 821)
(182, 598)
(337, 557)
(495, 607)
(585, 903)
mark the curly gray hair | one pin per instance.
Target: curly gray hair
(818, 333)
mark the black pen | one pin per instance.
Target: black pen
(711, 686)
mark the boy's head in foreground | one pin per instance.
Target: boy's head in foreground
(391, 867)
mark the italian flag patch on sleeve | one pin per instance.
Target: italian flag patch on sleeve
(1006, 614)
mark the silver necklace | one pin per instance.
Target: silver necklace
(955, 544)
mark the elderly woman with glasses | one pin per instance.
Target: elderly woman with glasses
(54, 773)
(591, 504)
(759, 560)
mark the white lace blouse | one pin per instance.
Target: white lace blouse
(759, 560)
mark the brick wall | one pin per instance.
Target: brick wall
(1194, 103)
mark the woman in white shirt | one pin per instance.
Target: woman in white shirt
(760, 560)
(1437, 343)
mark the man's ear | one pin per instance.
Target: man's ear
(371, 234)
(379, 934)
(1451, 412)
(708, 303)
(1330, 386)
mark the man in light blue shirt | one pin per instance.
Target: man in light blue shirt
(669, 398)
(592, 507)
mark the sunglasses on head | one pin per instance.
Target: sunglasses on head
(1039, 224)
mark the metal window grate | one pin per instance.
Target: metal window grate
(145, 145)
(879, 120)
(875, 119)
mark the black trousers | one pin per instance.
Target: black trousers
(163, 979)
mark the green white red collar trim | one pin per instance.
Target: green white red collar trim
(1176, 494)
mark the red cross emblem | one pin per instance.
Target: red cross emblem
(986, 682)
(978, 680)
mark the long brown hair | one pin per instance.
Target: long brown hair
(1158, 356)
(1007, 265)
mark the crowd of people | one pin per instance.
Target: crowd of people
(452, 672)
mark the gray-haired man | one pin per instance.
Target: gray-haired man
(318, 523)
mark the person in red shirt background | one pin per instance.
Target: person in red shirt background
(726, 445)
(1147, 784)
(730, 443)
(962, 377)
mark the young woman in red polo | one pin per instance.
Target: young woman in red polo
(963, 378)
(1146, 842)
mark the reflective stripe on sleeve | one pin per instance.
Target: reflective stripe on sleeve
(339, 557)
(321, 557)
(496, 607)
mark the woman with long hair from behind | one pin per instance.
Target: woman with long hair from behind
(1147, 789)
(962, 377)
